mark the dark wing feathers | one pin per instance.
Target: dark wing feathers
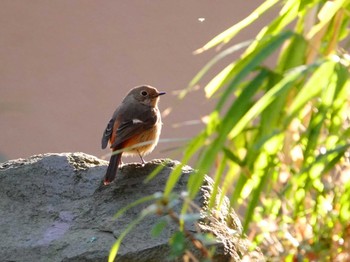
(133, 126)
(107, 133)
(133, 121)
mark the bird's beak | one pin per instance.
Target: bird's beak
(161, 93)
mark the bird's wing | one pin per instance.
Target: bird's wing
(107, 133)
(134, 124)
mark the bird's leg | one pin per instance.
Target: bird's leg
(142, 160)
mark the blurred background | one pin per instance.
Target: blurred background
(66, 65)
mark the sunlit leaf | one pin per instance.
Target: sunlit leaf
(293, 54)
(218, 81)
(278, 140)
(218, 177)
(314, 86)
(191, 149)
(177, 244)
(159, 227)
(253, 201)
(227, 35)
(286, 83)
(115, 248)
(326, 13)
(214, 61)
(249, 63)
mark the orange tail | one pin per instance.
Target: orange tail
(112, 168)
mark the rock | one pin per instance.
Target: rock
(54, 208)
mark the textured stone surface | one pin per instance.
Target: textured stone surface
(54, 208)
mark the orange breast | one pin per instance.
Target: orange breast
(151, 136)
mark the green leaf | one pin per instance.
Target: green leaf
(177, 244)
(115, 248)
(234, 113)
(254, 200)
(218, 176)
(286, 83)
(294, 54)
(154, 173)
(287, 15)
(227, 35)
(314, 86)
(219, 80)
(329, 158)
(214, 61)
(312, 135)
(191, 149)
(230, 155)
(250, 62)
(227, 184)
(325, 15)
(270, 122)
(235, 196)
(159, 227)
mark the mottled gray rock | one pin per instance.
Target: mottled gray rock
(54, 208)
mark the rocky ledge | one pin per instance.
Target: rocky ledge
(54, 208)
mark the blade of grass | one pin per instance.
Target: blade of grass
(254, 200)
(155, 196)
(230, 155)
(192, 148)
(227, 35)
(318, 118)
(339, 150)
(293, 54)
(311, 89)
(115, 248)
(227, 183)
(154, 173)
(218, 175)
(214, 61)
(244, 67)
(327, 12)
(235, 196)
(286, 83)
(219, 80)
(286, 16)
(238, 109)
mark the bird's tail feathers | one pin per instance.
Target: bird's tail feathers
(112, 168)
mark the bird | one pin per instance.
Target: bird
(136, 120)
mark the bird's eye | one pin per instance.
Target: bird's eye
(144, 93)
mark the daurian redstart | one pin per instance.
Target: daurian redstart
(135, 121)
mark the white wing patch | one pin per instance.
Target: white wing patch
(136, 121)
